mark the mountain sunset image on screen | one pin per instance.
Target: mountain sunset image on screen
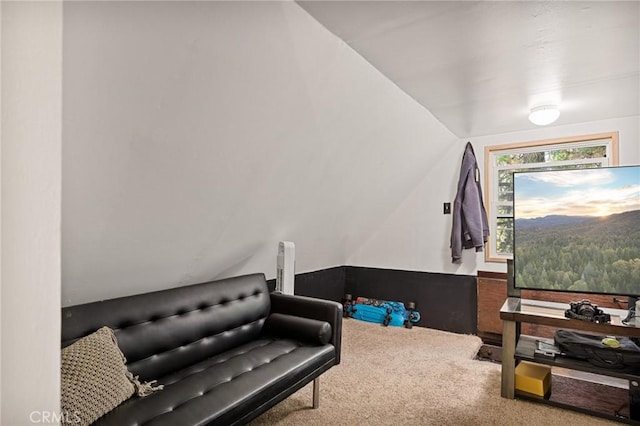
(578, 230)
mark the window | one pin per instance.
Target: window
(501, 161)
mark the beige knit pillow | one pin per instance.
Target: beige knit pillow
(95, 378)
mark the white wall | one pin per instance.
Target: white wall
(416, 236)
(31, 208)
(197, 135)
(1, 102)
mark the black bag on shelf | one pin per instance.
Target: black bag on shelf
(591, 348)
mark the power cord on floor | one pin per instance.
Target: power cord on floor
(618, 414)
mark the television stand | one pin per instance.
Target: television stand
(634, 312)
(516, 348)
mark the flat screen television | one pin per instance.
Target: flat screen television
(578, 230)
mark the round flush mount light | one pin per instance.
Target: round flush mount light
(544, 115)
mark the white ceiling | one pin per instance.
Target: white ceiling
(480, 66)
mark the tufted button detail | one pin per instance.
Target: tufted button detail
(183, 311)
(259, 364)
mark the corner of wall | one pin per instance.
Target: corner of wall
(30, 210)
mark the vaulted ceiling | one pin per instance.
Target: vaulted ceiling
(480, 66)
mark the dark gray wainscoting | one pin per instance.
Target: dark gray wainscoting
(323, 284)
(445, 301)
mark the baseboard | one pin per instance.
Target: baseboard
(490, 338)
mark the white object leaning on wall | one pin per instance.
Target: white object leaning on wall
(285, 267)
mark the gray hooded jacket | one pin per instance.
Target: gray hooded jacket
(470, 225)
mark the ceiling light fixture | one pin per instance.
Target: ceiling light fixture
(544, 115)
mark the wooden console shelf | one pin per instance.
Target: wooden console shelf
(516, 348)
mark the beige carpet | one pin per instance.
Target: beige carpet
(395, 376)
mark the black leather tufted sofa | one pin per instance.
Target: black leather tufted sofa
(225, 351)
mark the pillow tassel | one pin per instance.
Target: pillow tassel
(141, 389)
(146, 388)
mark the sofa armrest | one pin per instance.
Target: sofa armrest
(317, 309)
(299, 328)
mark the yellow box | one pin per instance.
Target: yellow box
(533, 378)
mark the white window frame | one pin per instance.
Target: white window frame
(491, 170)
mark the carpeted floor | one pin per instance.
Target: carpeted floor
(396, 376)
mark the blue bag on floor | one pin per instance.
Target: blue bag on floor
(383, 312)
